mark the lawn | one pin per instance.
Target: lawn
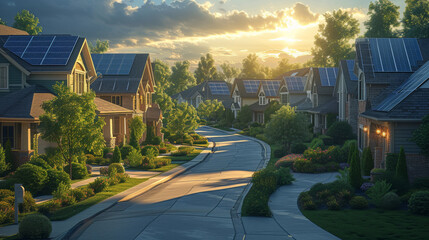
(371, 224)
(165, 168)
(189, 157)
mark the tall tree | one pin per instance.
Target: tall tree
(165, 103)
(70, 121)
(2, 22)
(284, 66)
(26, 21)
(421, 136)
(229, 72)
(383, 17)
(416, 19)
(181, 79)
(252, 68)
(332, 42)
(161, 73)
(100, 46)
(206, 69)
(182, 120)
(211, 110)
(137, 128)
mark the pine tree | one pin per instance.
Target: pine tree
(368, 162)
(117, 158)
(8, 155)
(351, 149)
(355, 169)
(401, 166)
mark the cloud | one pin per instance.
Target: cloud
(303, 14)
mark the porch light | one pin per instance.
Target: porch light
(383, 134)
(365, 129)
(378, 131)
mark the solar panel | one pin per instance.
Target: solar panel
(295, 83)
(42, 49)
(219, 88)
(405, 89)
(271, 87)
(328, 76)
(350, 67)
(113, 64)
(251, 86)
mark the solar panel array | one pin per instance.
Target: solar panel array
(251, 86)
(219, 88)
(405, 89)
(328, 76)
(271, 87)
(350, 66)
(395, 54)
(113, 64)
(42, 49)
(295, 83)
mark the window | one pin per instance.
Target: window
(79, 82)
(315, 100)
(115, 126)
(361, 88)
(8, 134)
(4, 81)
(198, 100)
(284, 98)
(262, 99)
(116, 100)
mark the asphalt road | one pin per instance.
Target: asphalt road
(194, 205)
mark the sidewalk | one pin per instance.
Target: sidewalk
(60, 228)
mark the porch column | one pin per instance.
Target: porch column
(125, 131)
(25, 137)
(326, 121)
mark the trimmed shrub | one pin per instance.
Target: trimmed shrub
(367, 161)
(159, 162)
(391, 162)
(340, 131)
(99, 184)
(78, 194)
(145, 150)
(305, 201)
(278, 153)
(332, 204)
(117, 158)
(148, 163)
(327, 140)
(40, 162)
(163, 150)
(78, 170)
(119, 168)
(125, 150)
(55, 177)
(401, 167)
(156, 140)
(89, 192)
(104, 171)
(390, 201)
(317, 142)
(29, 204)
(201, 141)
(419, 203)
(421, 183)
(8, 183)
(32, 177)
(284, 163)
(90, 159)
(298, 148)
(135, 158)
(358, 202)
(284, 177)
(304, 166)
(35, 226)
(355, 173)
(256, 204)
(377, 192)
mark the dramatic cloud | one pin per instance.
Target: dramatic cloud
(303, 14)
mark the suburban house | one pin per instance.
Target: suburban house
(29, 67)
(393, 97)
(292, 90)
(319, 88)
(127, 81)
(268, 91)
(207, 90)
(346, 92)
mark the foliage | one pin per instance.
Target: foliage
(366, 185)
(272, 108)
(70, 121)
(137, 128)
(26, 21)
(150, 135)
(322, 156)
(305, 201)
(390, 201)
(125, 150)
(244, 116)
(401, 167)
(252, 68)
(55, 178)
(287, 126)
(8, 155)
(332, 42)
(421, 134)
(333, 195)
(32, 177)
(35, 226)
(298, 148)
(316, 143)
(340, 131)
(283, 67)
(306, 166)
(206, 69)
(419, 203)
(415, 22)
(343, 175)
(145, 150)
(38, 161)
(377, 192)
(180, 78)
(118, 168)
(4, 166)
(2, 22)
(392, 161)
(228, 72)
(211, 110)
(100, 46)
(367, 161)
(135, 158)
(117, 158)
(165, 103)
(383, 17)
(99, 184)
(256, 204)
(161, 72)
(355, 169)
(358, 202)
(182, 119)
(104, 171)
(78, 170)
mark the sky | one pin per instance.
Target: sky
(177, 30)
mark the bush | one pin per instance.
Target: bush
(201, 141)
(7, 212)
(78, 194)
(390, 201)
(299, 148)
(104, 171)
(135, 158)
(340, 132)
(284, 177)
(419, 203)
(421, 183)
(89, 192)
(117, 158)
(29, 204)
(78, 170)
(278, 153)
(88, 169)
(283, 163)
(304, 166)
(327, 140)
(367, 161)
(145, 150)
(101, 161)
(90, 159)
(148, 163)
(99, 184)
(49, 207)
(32, 177)
(117, 166)
(265, 181)
(333, 204)
(125, 150)
(401, 167)
(256, 204)
(305, 201)
(316, 143)
(163, 150)
(159, 162)
(355, 173)
(377, 192)
(8, 183)
(35, 226)
(391, 161)
(358, 202)
(40, 162)
(55, 177)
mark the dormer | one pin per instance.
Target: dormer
(262, 98)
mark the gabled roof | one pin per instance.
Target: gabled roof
(106, 107)
(303, 105)
(125, 83)
(324, 79)
(345, 70)
(6, 30)
(328, 107)
(295, 84)
(271, 88)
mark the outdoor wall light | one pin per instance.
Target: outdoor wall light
(365, 129)
(383, 134)
(378, 131)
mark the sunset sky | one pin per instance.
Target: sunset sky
(184, 30)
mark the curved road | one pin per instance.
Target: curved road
(194, 205)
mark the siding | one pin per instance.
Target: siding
(403, 133)
(15, 76)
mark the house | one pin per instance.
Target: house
(267, 92)
(319, 89)
(127, 81)
(207, 90)
(292, 90)
(393, 97)
(346, 92)
(29, 67)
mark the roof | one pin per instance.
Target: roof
(105, 107)
(204, 90)
(6, 30)
(295, 84)
(295, 73)
(25, 103)
(271, 88)
(324, 79)
(258, 108)
(304, 105)
(126, 83)
(253, 83)
(329, 107)
(345, 70)
(154, 113)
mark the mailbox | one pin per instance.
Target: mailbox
(19, 198)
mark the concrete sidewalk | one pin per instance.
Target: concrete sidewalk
(60, 228)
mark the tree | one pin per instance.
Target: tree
(340, 131)
(181, 79)
(283, 67)
(211, 110)
(100, 46)
(70, 121)
(165, 102)
(252, 68)
(228, 72)
(26, 21)
(161, 73)
(273, 107)
(416, 19)
(206, 69)
(332, 42)
(287, 127)
(137, 128)
(368, 162)
(2, 22)
(421, 136)
(244, 116)
(182, 120)
(117, 158)
(4, 166)
(383, 17)
(401, 167)
(8, 155)
(355, 174)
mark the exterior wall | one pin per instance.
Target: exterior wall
(47, 80)
(352, 108)
(417, 166)
(248, 101)
(402, 134)
(16, 77)
(373, 93)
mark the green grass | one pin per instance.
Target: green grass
(371, 224)
(273, 159)
(70, 211)
(202, 145)
(165, 168)
(188, 157)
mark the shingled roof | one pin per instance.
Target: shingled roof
(344, 70)
(203, 89)
(6, 30)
